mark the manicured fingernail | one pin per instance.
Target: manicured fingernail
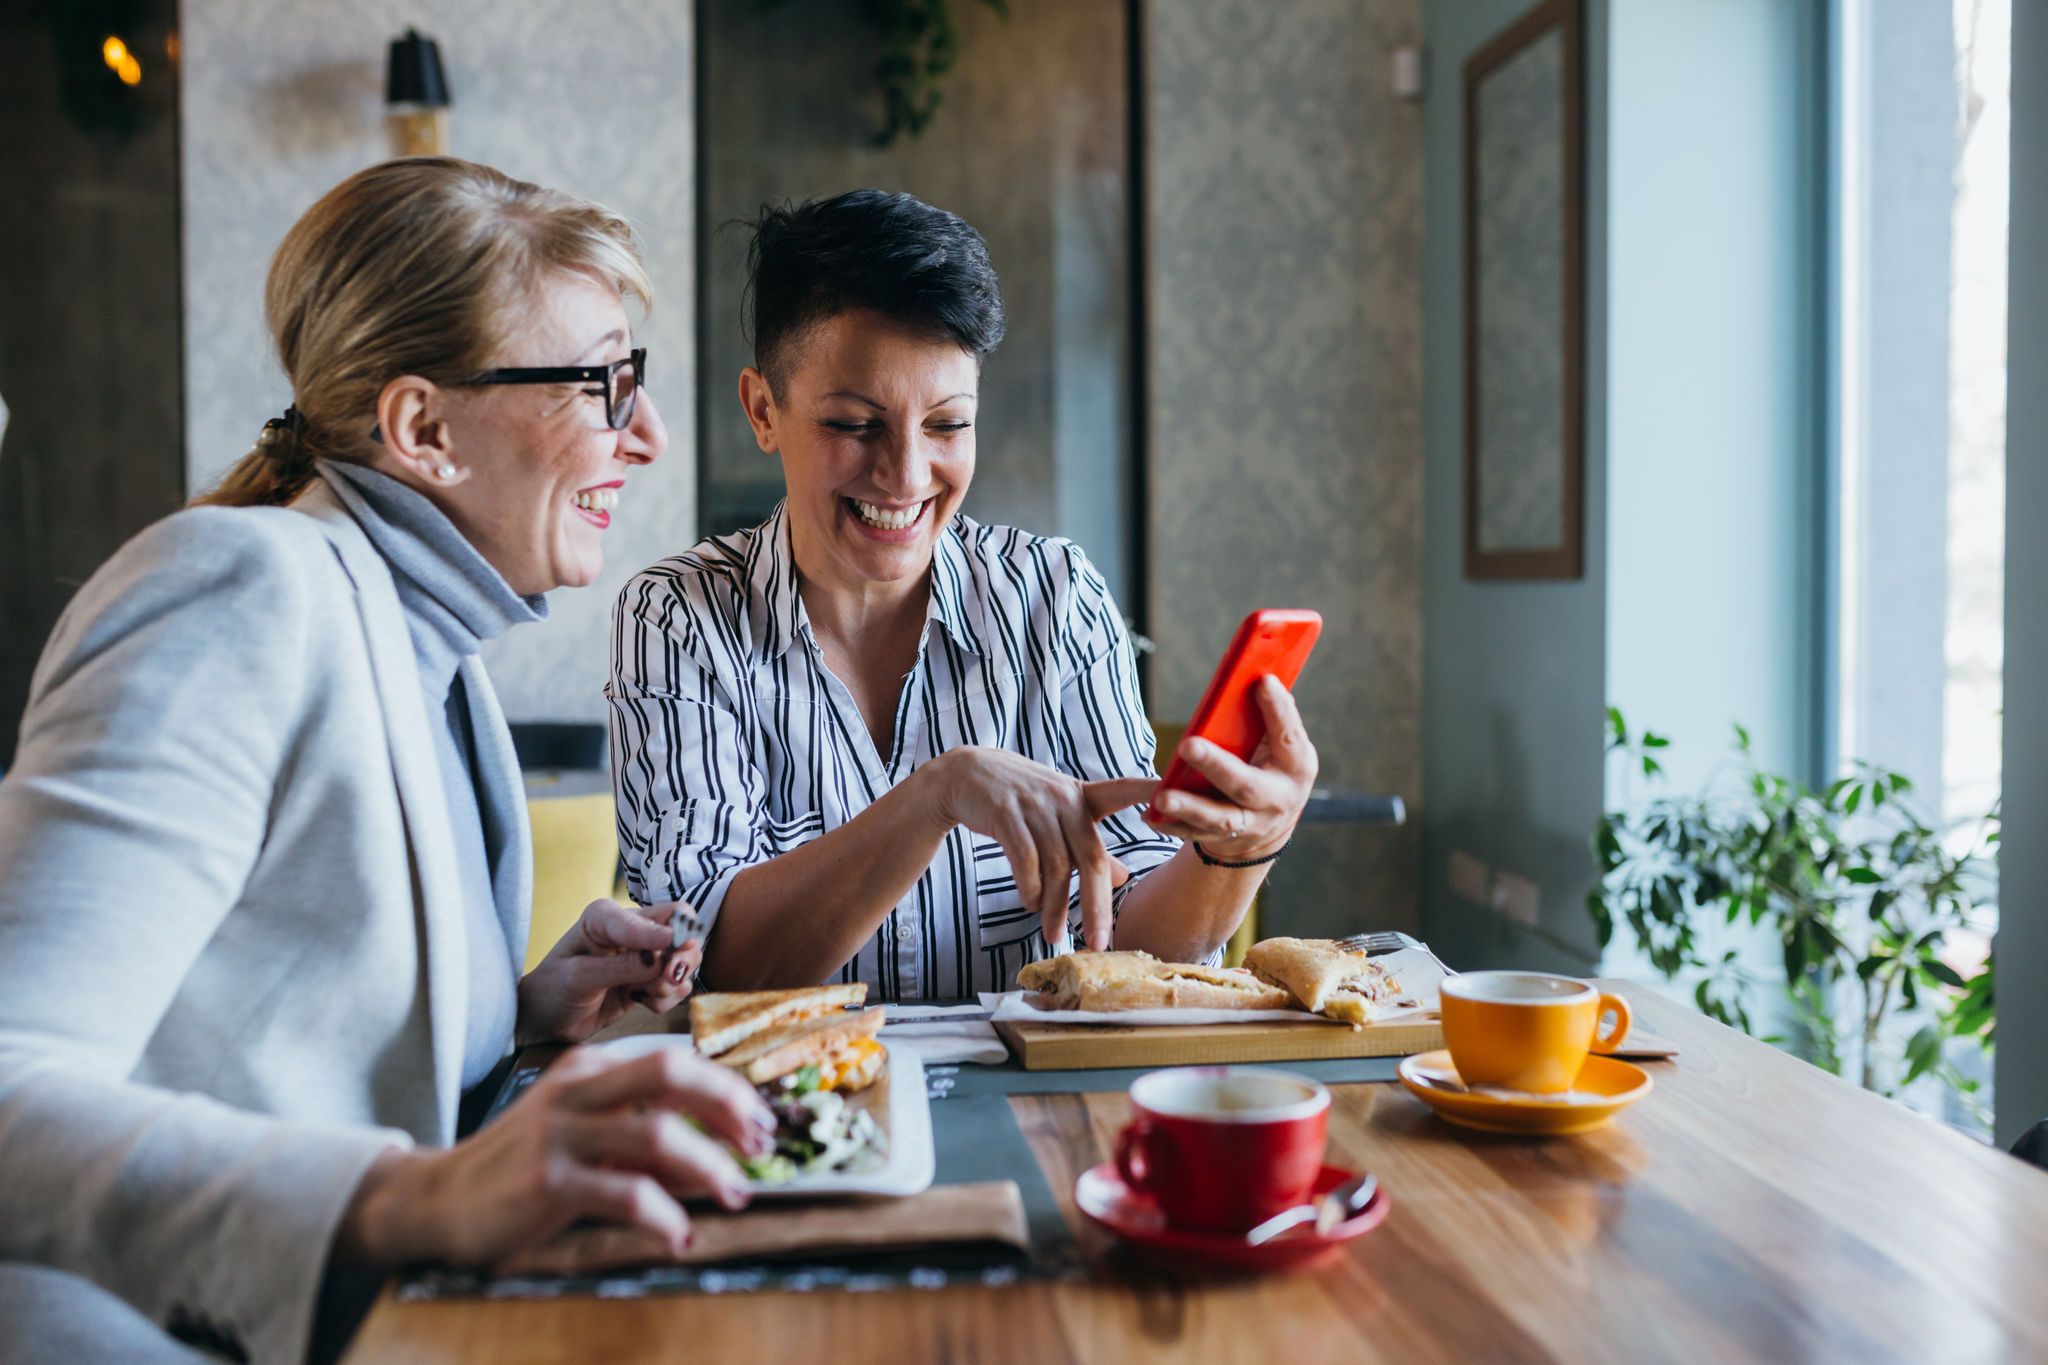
(680, 970)
(736, 1196)
(684, 1244)
(646, 958)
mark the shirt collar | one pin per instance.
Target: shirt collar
(775, 609)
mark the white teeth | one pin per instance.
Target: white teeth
(597, 499)
(886, 520)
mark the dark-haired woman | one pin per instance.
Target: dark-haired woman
(871, 739)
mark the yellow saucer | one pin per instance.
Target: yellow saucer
(1604, 1088)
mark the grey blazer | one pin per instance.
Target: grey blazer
(232, 946)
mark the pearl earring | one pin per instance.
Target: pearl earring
(444, 472)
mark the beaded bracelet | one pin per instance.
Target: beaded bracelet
(1208, 861)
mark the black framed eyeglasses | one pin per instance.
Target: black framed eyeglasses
(619, 382)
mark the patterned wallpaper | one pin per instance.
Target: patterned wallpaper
(1285, 345)
(595, 96)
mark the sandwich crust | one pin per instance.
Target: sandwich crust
(1319, 975)
(1138, 981)
(723, 1020)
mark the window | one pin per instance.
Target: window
(1922, 156)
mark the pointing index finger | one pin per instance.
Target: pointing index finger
(1111, 795)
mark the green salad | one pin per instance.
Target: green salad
(817, 1132)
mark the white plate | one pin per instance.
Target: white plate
(897, 1101)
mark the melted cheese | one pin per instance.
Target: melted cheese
(835, 1072)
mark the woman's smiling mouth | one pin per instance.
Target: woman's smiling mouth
(595, 505)
(894, 520)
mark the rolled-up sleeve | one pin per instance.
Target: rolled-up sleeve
(689, 795)
(1106, 733)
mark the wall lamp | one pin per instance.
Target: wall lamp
(416, 92)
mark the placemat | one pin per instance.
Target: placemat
(974, 1137)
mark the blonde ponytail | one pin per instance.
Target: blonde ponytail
(415, 266)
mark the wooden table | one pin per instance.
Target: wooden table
(1752, 1208)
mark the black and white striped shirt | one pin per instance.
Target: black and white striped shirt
(732, 743)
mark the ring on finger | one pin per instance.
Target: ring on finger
(1237, 826)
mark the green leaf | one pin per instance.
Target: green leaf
(1607, 845)
(1741, 739)
(1862, 876)
(1855, 799)
(1942, 972)
(1652, 740)
(1651, 767)
(1922, 1053)
(1617, 729)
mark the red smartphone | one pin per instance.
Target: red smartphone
(1277, 641)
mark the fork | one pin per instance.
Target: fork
(1374, 945)
(683, 924)
(1389, 941)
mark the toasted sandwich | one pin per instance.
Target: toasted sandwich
(1333, 981)
(722, 1021)
(805, 1051)
(1140, 981)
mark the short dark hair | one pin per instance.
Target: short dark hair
(891, 253)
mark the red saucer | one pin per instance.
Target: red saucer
(1131, 1215)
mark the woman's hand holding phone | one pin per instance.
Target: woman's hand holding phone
(1260, 801)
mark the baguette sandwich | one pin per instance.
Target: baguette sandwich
(805, 1051)
(1321, 976)
(1140, 981)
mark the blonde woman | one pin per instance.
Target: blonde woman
(265, 800)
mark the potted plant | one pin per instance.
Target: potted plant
(1867, 903)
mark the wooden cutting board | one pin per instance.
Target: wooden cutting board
(1069, 1047)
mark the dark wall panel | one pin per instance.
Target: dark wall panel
(89, 308)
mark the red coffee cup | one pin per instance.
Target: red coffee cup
(1224, 1148)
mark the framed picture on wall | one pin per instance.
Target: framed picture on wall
(1524, 301)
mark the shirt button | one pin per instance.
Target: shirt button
(905, 931)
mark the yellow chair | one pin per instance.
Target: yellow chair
(575, 861)
(1167, 737)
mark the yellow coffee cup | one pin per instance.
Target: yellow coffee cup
(1526, 1030)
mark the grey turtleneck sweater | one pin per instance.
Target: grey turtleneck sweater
(454, 601)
